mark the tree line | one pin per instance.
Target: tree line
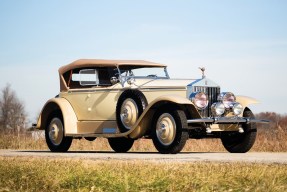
(13, 117)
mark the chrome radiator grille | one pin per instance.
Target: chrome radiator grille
(212, 93)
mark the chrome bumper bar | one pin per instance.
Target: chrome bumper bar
(226, 120)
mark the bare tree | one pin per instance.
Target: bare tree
(12, 111)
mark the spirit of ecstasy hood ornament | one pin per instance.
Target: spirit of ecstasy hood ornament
(202, 70)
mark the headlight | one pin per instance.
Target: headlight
(217, 109)
(237, 109)
(227, 98)
(199, 99)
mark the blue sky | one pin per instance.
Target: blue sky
(243, 44)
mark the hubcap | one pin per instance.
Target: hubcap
(56, 131)
(129, 113)
(165, 129)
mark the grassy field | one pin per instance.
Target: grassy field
(35, 174)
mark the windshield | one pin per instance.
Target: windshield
(143, 72)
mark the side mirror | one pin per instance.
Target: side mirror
(114, 80)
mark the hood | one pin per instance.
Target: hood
(172, 83)
(161, 83)
(190, 85)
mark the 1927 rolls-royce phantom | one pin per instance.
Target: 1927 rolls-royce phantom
(125, 100)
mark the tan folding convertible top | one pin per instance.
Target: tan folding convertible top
(100, 63)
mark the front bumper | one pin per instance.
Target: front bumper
(226, 120)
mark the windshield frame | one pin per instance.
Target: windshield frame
(129, 74)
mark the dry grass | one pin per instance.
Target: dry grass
(267, 141)
(35, 174)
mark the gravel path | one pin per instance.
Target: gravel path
(181, 157)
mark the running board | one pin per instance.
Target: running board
(107, 133)
(98, 135)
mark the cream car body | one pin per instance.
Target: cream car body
(103, 98)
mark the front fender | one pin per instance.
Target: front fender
(69, 117)
(246, 101)
(144, 123)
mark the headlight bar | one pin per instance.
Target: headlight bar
(227, 120)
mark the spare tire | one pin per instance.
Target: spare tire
(130, 106)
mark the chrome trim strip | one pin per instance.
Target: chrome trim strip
(222, 120)
(116, 90)
(92, 91)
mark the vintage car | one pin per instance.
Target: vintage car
(125, 100)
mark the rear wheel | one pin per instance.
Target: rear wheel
(168, 133)
(236, 142)
(55, 135)
(121, 144)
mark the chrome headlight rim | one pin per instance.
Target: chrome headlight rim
(217, 109)
(199, 99)
(237, 109)
(227, 98)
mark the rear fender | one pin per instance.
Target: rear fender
(144, 123)
(69, 117)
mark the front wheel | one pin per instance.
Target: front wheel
(235, 142)
(121, 144)
(168, 132)
(55, 136)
